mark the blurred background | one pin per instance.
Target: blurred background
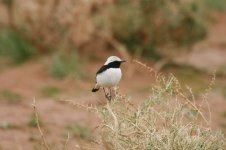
(51, 50)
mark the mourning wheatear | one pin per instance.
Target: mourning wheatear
(108, 76)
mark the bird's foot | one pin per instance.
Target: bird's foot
(108, 96)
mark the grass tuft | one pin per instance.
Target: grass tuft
(224, 114)
(10, 96)
(33, 121)
(223, 90)
(77, 130)
(64, 64)
(217, 4)
(7, 2)
(4, 125)
(14, 46)
(7, 125)
(49, 91)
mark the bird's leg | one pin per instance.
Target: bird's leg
(110, 94)
(106, 94)
(115, 90)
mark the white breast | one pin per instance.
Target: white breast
(109, 78)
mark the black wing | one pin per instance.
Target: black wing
(102, 69)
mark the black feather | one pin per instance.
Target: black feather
(114, 64)
(94, 90)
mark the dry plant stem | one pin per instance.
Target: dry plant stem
(66, 142)
(145, 66)
(205, 95)
(180, 93)
(114, 117)
(38, 125)
(195, 107)
(90, 108)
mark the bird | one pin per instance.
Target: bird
(108, 76)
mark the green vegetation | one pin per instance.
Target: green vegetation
(221, 70)
(224, 91)
(4, 125)
(7, 2)
(221, 88)
(224, 114)
(217, 4)
(7, 125)
(14, 46)
(33, 121)
(50, 91)
(76, 130)
(145, 25)
(38, 146)
(64, 64)
(10, 96)
(192, 78)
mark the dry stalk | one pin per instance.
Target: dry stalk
(149, 69)
(66, 142)
(90, 108)
(207, 91)
(194, 106)
(38, 126)
(114, 117)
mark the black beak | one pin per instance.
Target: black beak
(123, 61)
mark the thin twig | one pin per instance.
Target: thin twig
(180, 93)
(113, 115)
(66, 142)
(38, 126)
(194, 106)
(149, 69)
(207, 91)
(90, 108)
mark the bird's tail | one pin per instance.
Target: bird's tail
(96, 88)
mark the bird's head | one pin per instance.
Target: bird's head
(112, 59)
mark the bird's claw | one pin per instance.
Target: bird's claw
(108, 96)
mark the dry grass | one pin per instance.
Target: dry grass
(168, 119)
(164, 121)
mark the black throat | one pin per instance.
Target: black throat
(114, 64)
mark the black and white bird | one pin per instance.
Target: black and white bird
(108, 76)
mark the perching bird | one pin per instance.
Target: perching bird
(108, 75)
